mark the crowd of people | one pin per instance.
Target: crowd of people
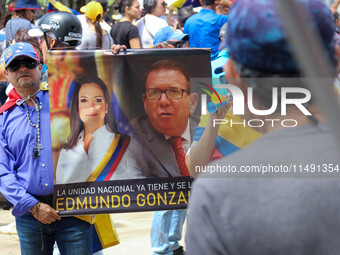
(136, 27)
(248, 42)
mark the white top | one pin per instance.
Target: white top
(75, 165)
(89, 41)
(89, 37)
(153, 24)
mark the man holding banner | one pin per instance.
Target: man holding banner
(26, 161)
(166, 135)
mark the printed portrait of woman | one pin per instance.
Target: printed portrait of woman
(94, 146)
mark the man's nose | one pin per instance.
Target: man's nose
(23, 67)
(164, 100)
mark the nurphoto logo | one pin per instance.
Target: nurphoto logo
(238, 105)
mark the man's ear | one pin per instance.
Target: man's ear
(52, 43)
(233, 77)
(6, 74)
(144, 99)
(230, 70)
(193, 102)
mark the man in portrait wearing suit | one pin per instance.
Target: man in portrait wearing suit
(165, 133)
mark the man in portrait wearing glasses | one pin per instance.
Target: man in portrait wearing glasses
(26, 173)
(168, 105)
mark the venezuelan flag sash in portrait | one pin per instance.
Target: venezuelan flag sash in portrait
(104, 232)
(109, 163)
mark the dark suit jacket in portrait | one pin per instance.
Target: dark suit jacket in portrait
(155, 156)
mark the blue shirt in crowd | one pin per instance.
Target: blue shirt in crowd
(204, 28)
(22, 176)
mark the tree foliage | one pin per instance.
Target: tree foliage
(74, 4)
(2, 10)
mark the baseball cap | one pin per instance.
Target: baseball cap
(17, 50)
(256, 37)
(92, 10)
(169, 33)
(27, 4)
(104, 4)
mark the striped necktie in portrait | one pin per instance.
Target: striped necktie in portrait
(176, 144)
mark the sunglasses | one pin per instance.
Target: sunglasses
(15, 65)
(177, 44)
(164, 4)
(34, 11)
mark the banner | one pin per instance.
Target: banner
(122, 196)
(110, 140)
